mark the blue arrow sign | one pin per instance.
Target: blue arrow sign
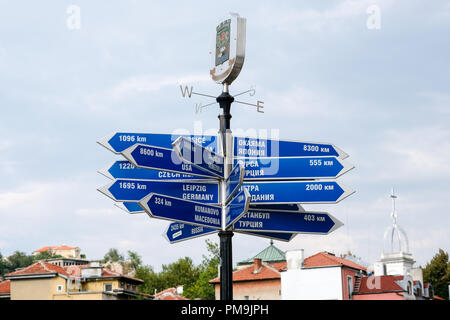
(119, 141)
(237, 208)
(281, 236)
(124, 169)
(175, 209)
(289, 207)
(294, 168)
(130, 207)
(234, 180)
(252, 147)
(199, 156)
(134, 190)
(296, 192)
(177, 232)
(306, 222)
(157, 158)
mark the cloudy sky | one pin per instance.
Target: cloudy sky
(371, 77)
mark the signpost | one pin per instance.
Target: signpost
(234, 181)
(199, 157)
(306, 222)
(157, 158)
(175, 209)
(123, 169)
(119, 141)
(279, 192)
(177, 232)
(135, 190)
(294, 168)
(226, 184)
(236, 208)
(254, 147)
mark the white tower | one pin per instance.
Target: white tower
(396, 258)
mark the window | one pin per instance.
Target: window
(246, 298)
(108, 287)
(133, 288)
(349, 287)
(59, 288)
(409, 288)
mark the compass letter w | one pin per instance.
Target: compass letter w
(186, 91)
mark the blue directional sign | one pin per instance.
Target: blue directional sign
(123, 169)
(253, 147)
(288, 207)
(135, 190)
(157, 158)
(177, 232)
(234, 180)
(199, 156)
(296, 192)
(119, 141)
(281, 236)
(306, 222)
(294, 168)
(175, 209)
(130, 207)
(237, 207)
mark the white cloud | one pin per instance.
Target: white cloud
(420, 152)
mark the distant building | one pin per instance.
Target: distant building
(47, 281)
(171, 294)
(64, 251)
(322, 276)
(257, 278)
(395, 277)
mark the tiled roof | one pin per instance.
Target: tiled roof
(5, 287)
(323, 259)
(385, 284)
(268, 271)
(75, 271)
(268, 255)
(40, 267)
(48, 248)
(169, 294)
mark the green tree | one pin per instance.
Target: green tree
(3, 266)
(202, 289)
(44, 255)
(135, 259)
(182, 272)
(18, 260)
(437, 272)
(113, 255)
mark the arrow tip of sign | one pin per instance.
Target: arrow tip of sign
(341, 153)
(144, 204)
(127, 153)
(106, 173)
(347, 192)
(337, 223)
(105, 142)
(105, 190)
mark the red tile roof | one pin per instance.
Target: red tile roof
(40, 267)
(323, 259)
(169, 294)
(268, 271)
(5, 287)
(385, 284)
(49, 248)
(75, 271)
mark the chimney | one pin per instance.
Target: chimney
(294, 259)
(257, 265)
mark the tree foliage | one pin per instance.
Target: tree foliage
(437, 272)
(194, 279)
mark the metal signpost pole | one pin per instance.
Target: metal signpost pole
(226, 254)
